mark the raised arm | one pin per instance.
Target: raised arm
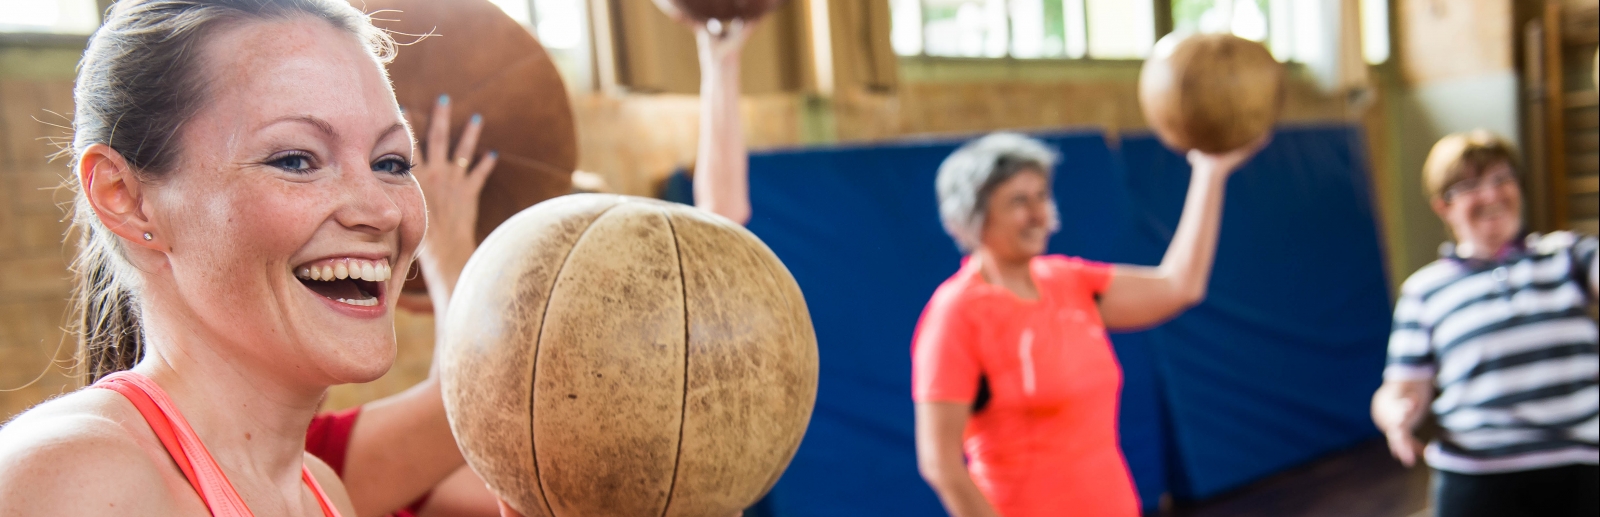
(401, 446)
(1142, 296)
(721, 175)
(939, 458)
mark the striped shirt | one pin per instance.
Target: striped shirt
(1512, 352)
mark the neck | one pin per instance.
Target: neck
(1480, 248)
(1013, 273)
(252, 421)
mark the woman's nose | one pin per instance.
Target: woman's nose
(369, 205)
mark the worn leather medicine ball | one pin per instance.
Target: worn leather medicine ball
(1212, 92)
(702, 10)
(610, 355)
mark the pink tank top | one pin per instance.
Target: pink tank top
(187, 451)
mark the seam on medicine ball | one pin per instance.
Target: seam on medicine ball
(683, 408)
(538, 345)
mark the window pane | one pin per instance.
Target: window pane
(1247, 19)
(1375, 31)
(562, 27)
(1308, 31)
(1076, 25)
(1120, 29)
(50, 16)
(1186, 15)
(905, 26)
(516, 9)
(1036, 29)
(968, 28)
(1282, 29)
(560, 23)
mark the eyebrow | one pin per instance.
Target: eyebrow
(391, 130)
(325, 128)
(322, 125)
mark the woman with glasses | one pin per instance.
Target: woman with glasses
(1494, 342)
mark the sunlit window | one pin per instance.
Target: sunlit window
(1375, 31)
(1295, 30)
(1120, 29)
(49, 16)
(561, 26)
(1107, 29)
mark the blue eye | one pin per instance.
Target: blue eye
(297, 162)
(392, 165)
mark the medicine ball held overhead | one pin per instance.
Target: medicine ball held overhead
(617, 356)
(1212, 92)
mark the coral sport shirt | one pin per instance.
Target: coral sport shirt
(1044, 441)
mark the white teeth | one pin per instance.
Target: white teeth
(371, 271)
(369, 302)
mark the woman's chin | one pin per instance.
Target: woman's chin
(360, 361)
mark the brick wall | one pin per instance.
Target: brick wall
(34, 282)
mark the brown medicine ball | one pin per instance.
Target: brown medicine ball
(609, 355)
(702, 10)
(1212, 92)
(488, 64)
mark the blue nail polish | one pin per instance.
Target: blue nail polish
(444, 98)
(477, 119)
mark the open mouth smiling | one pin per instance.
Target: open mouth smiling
(351, 281)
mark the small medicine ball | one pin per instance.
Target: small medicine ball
(1212, 92)
(609, 355)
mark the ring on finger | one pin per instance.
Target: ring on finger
(463, 162)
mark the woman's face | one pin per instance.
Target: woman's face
(295, 165)
(1017, 224)
(1485, 211)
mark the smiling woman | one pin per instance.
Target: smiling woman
(243, 195)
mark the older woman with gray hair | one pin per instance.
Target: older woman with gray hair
(1011, 366)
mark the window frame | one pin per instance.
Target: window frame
(1162, 19)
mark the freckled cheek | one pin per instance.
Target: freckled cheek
(274, 222)
(413, 217)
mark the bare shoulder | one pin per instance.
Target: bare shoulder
(331, 484)
(85, 453)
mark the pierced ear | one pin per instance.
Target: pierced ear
(115, 194)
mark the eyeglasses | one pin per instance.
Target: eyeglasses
(1492, 180)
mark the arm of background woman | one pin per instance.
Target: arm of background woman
(1397, 408)
(721, 176)
(939, 458)
(401, 446)
(1142, 296)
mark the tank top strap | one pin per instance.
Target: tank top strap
(180, 440)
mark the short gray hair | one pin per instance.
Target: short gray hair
(970, 174)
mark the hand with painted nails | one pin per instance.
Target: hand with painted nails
(451, 181)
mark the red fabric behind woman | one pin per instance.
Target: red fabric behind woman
(329, 439)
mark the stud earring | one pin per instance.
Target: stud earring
(147, 236)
